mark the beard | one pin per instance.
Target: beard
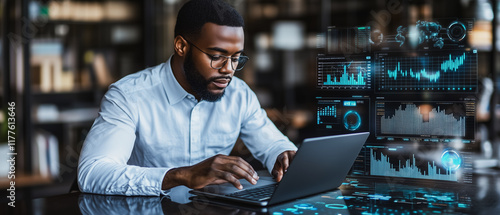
(198, 83)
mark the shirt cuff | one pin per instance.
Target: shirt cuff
(160, 178)
(165, 192)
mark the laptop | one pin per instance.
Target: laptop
(320, 164)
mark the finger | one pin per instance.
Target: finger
(279, 169)
(291, 156)
(231, 179)
(245, 166)
(238, 172)
(238, 164)
(285, 162)
(280, 175)
(238, 167)
(274, 172)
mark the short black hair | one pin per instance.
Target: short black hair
(195, 13)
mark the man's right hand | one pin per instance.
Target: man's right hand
(215, 170)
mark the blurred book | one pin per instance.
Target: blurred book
(98, 69)
(120, 10)
(125, 34)
(92, 11)
(4, 156)
(46, 113)
(79, 114)
(47, 67)
(50, 113)
(104, 78)
(45, 159)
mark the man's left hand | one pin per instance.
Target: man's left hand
(282, 163)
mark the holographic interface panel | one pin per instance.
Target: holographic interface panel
(426, 71)
(344, 73)
(342, 115)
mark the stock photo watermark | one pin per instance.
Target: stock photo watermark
(11, 153)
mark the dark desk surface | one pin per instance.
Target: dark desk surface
(363, 196)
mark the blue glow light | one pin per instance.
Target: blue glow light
(451, 160)
(350, 103)
(352, 120)
(336, 206)
(305, 206)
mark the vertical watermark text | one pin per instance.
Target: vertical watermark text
(12, 153)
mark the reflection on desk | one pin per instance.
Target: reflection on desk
(177, 203)
(356, 196)
(99, 204)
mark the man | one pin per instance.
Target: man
(175, 123)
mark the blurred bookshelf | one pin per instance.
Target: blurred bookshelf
(63, 57)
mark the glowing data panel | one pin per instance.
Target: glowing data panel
(416, 162)
(442, 121)
(341, 115)
(348, 41)
(427, 71)
(381, 165)
(441, 34)
(339, 72)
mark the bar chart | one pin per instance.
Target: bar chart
(340, 72)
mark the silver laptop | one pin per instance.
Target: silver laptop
(321, 164)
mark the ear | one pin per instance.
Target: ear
(180, 46)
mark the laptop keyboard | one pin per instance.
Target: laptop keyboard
(256, 194)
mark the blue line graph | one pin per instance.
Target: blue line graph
(427, 71)
(417, 75)
(453, 64)
(431, 76)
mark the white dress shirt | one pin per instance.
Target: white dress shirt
(149, 124)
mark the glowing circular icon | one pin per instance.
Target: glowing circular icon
(336, 206)
(456, 31)
(376, 37)
(305, 206)
(352, 120)
(451, 160)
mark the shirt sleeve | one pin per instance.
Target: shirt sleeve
(260, 135)
(102, 166)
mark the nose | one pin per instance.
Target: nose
(227, 68)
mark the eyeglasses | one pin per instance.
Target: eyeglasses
(219, 61)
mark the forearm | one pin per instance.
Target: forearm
(173, 178)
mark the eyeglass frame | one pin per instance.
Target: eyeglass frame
(211, 56)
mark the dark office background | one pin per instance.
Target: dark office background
(59, 57)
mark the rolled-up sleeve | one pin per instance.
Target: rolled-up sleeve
(103, 160)
(260, 135)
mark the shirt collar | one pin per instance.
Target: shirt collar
(175, 92)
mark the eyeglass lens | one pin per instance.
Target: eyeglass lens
(219, 62)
